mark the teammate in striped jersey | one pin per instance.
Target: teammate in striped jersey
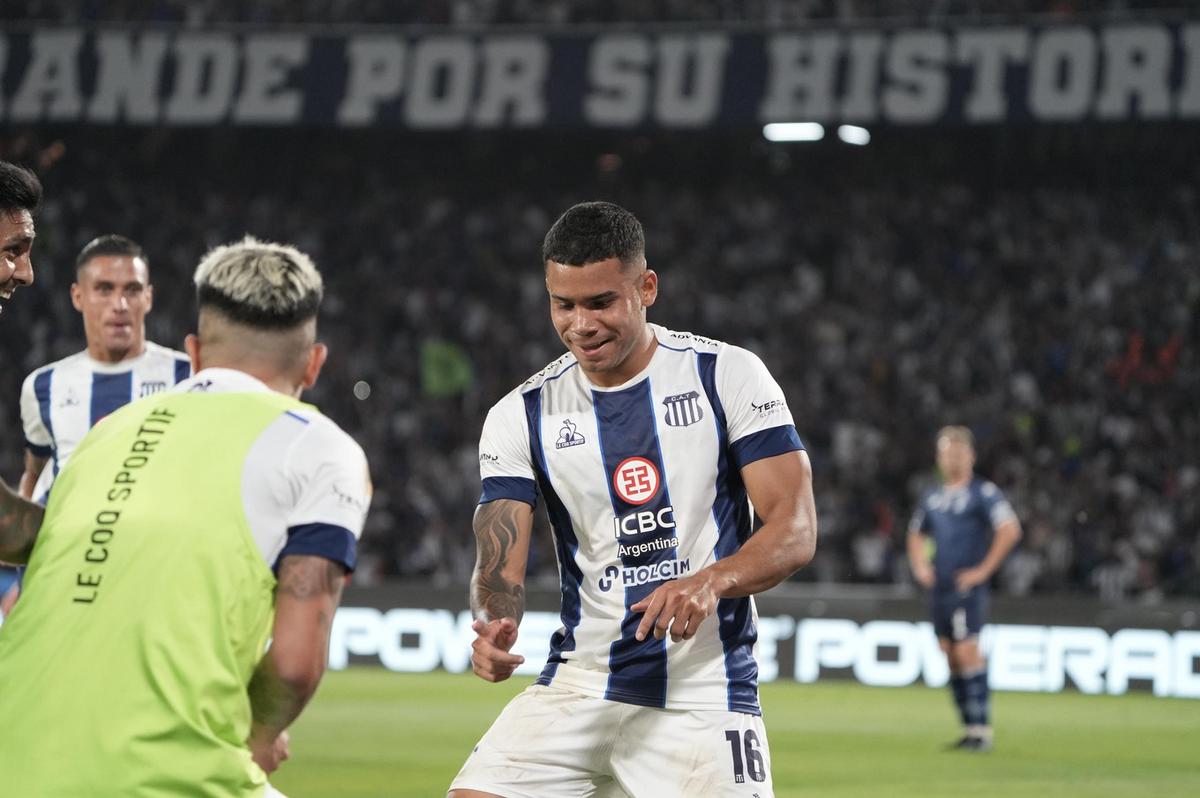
(971, 528)
(20, 194)
(62, 401)
(644, 445)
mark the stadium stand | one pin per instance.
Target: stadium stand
(1038, 285)
(557, 12)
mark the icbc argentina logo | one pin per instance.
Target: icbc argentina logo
(636, 480)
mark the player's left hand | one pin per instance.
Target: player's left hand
(270, 754)
(968, 578)
(678, 606)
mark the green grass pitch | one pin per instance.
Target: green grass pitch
(369, 732)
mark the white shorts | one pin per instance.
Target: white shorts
(552, 743)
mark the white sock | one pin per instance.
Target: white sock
(982, 732)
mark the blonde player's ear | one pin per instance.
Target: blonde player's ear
(316, 359)
(191, 345)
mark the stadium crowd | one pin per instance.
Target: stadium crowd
(1057, 320)
(556, 12)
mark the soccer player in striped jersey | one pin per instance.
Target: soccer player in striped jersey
(187, 529)
(62, 401)
(646, 447)
(20, 194)
(971, 528)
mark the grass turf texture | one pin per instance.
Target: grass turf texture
(373, 733)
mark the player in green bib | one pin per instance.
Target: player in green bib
(187, 529)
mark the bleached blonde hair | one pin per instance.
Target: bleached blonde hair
(260, 283)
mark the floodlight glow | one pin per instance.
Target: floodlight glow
(853, 134)
(793, 131)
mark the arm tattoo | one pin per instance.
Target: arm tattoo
(274, 701)
(307, 576)
(496, 531)
(20, 520)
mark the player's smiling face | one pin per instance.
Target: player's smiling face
(599, 311)
(113, 293)
(16, 242)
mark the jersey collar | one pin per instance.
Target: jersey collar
(222, 380)
(121, 366)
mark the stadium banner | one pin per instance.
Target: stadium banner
(669, 78)
(1037, 645)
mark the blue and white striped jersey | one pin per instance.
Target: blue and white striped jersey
(642, 484)
(62, 401)
(961, 521)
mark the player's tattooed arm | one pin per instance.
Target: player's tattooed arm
(306, 599)
(20, 520)
(308, 576)
(502, 531)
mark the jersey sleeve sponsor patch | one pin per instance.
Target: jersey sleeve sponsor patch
(753, 401)
(504, 459)
(330, 471)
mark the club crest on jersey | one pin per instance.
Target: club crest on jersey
(569, 436)
(636, 480)
(683, 409)
(70, 400)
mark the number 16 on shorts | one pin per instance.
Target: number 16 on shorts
(747, 756)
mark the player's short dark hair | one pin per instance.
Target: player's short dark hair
(20, 190)
(109, 246)
(591, 232)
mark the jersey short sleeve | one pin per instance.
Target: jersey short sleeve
(505, 468)
(328, 494)
(759, 422)
(998, 509)
(919, 520)
(37, 437)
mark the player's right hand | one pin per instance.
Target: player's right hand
(923, 573)
(490, 657)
